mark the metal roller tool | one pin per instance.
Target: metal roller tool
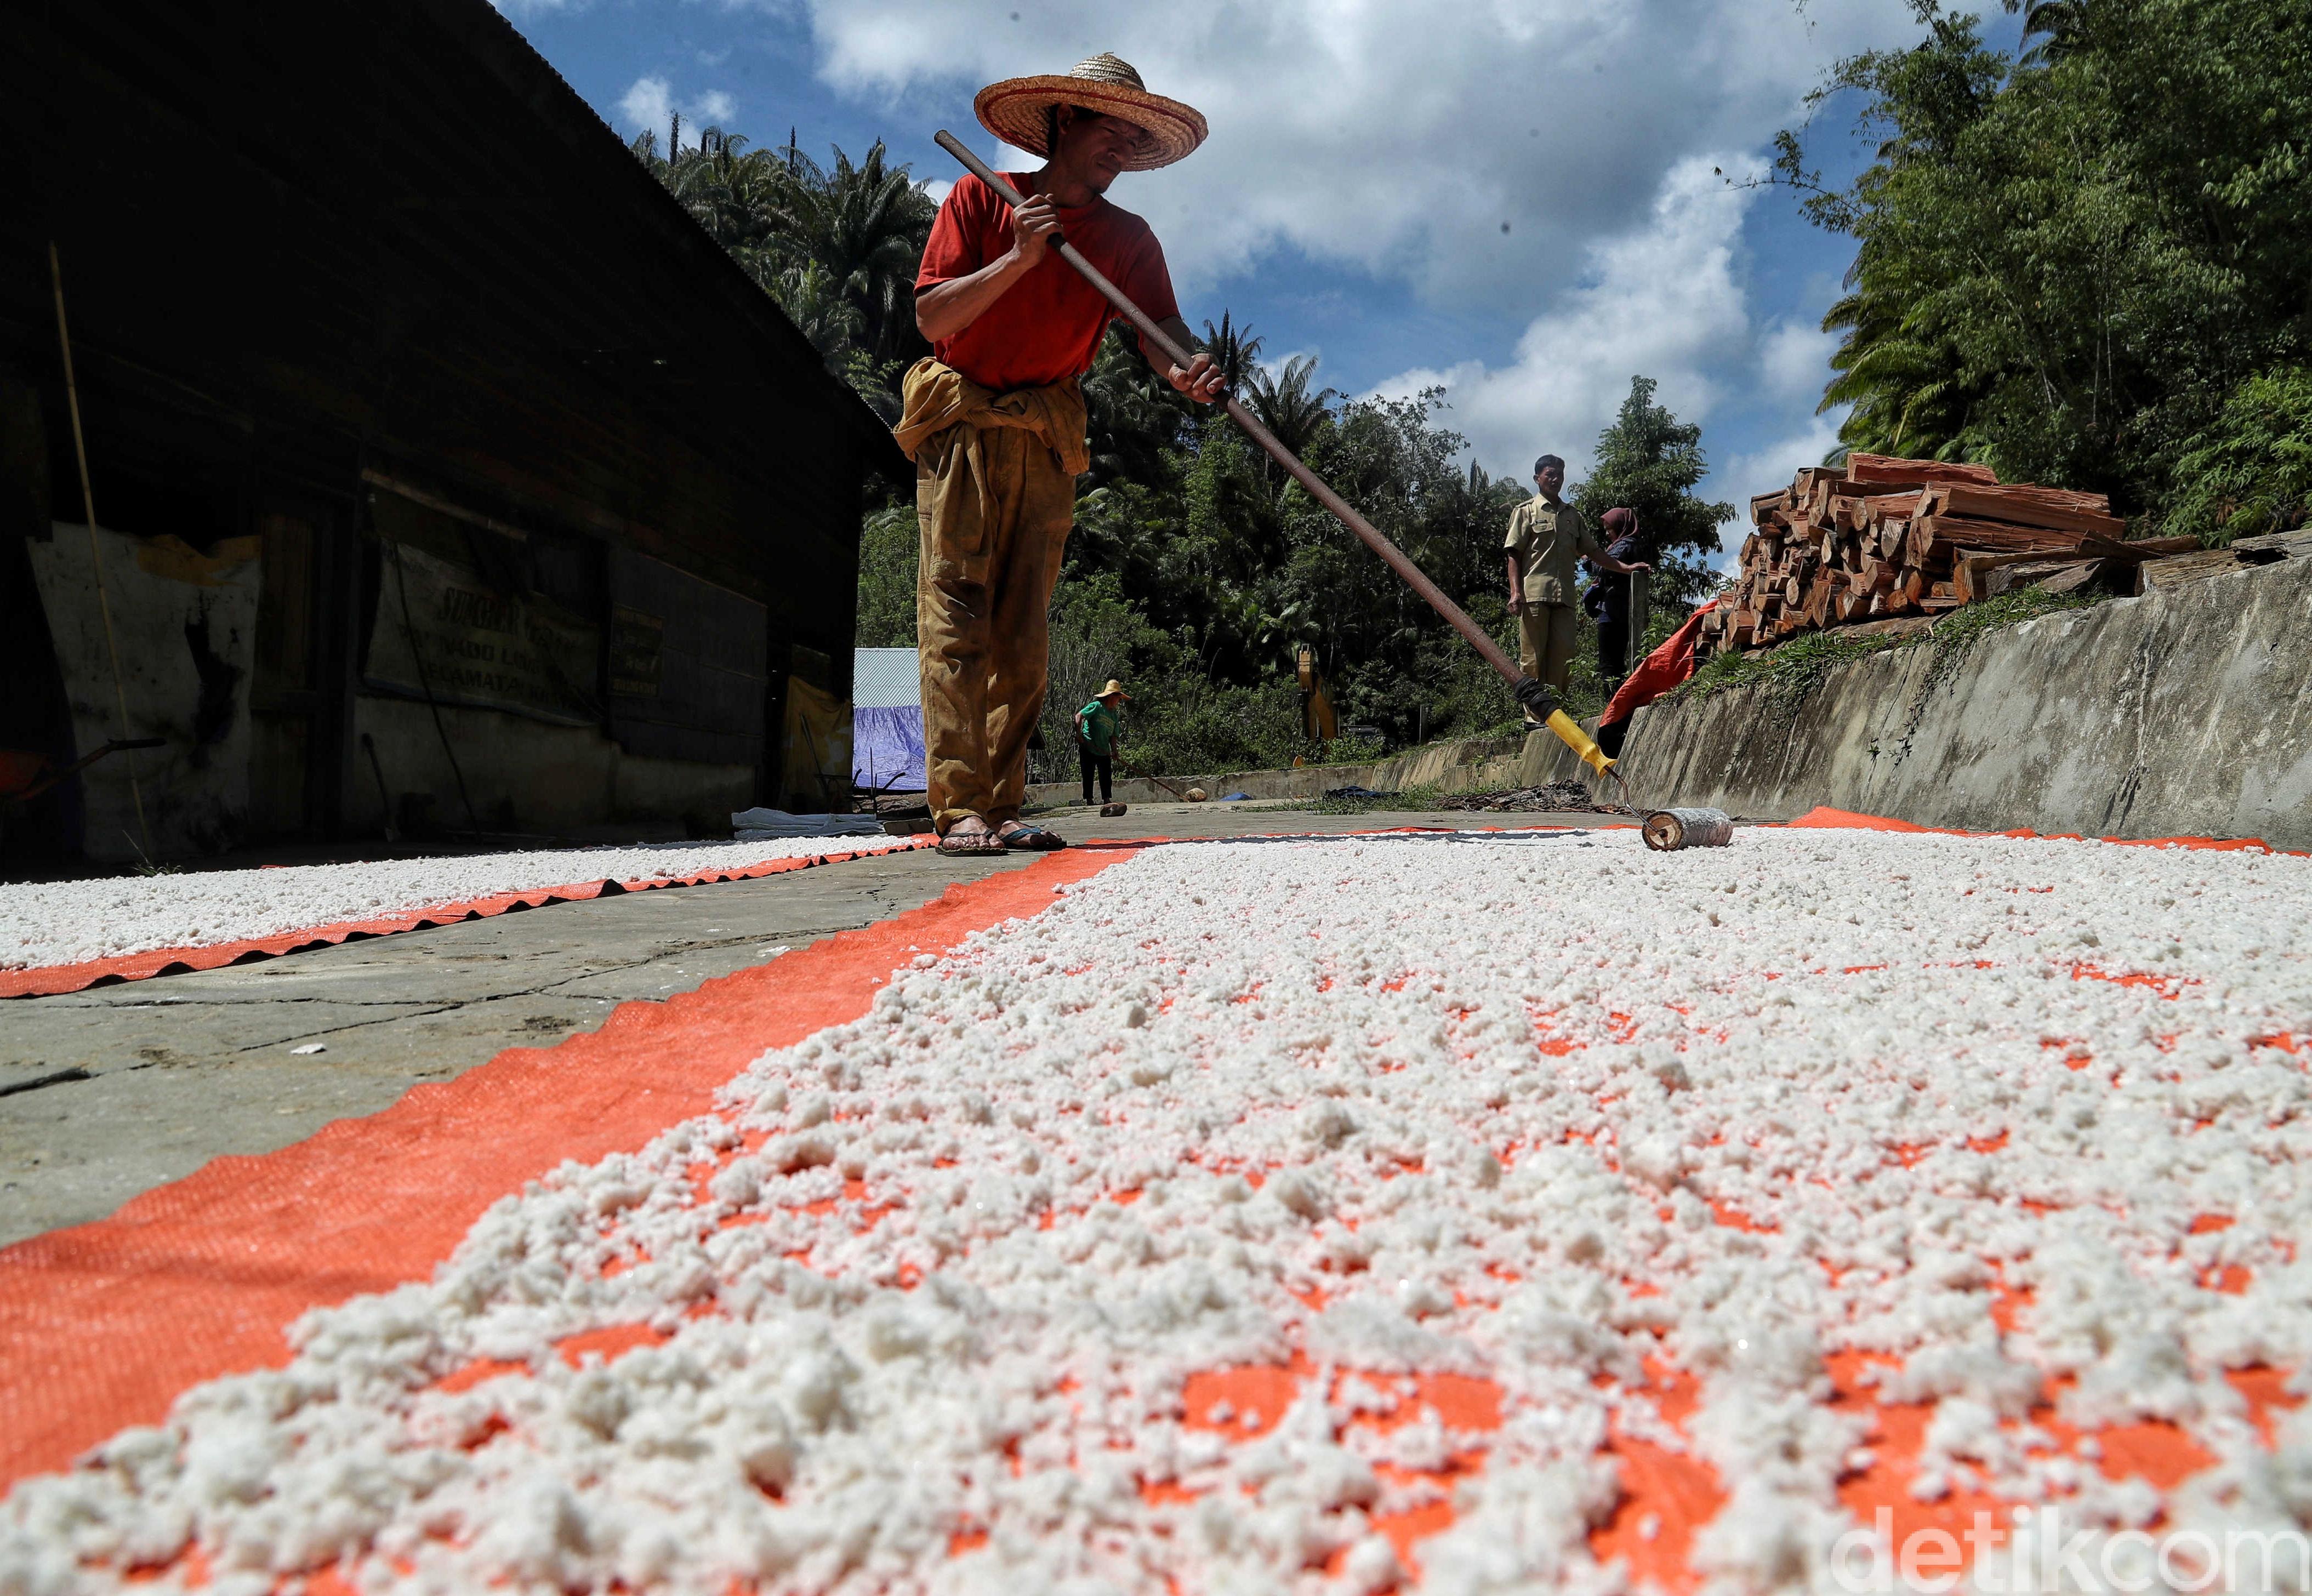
(1667, 830)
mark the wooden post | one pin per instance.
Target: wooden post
(95, 549)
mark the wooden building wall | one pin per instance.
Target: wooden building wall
(314, 255)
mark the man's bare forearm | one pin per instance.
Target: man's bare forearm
(945, 309)
(1176, 329)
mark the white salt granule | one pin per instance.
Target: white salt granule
(919, 1309)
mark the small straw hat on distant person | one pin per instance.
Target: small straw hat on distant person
(1013, 110)
(1114, 689)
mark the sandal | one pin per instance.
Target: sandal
(960, 844)
(1026, 839)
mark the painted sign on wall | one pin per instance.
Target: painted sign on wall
(441, 631)
(638, 650)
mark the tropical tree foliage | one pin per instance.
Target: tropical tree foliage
(1232, 568)
(1650, 461)
(1234, 349)
(888, 544)
(2074, 262)
(2250, 473)
(1135, 416)
(838, 246)
(1287, 406)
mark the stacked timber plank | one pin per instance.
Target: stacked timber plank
(2242, 554)
(1881, 538)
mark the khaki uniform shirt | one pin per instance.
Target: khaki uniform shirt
(1548, 537)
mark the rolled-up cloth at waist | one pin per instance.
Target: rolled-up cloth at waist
(938, 397)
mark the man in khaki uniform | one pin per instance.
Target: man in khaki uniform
(1546, 536)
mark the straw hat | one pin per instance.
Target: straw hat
(1114, 689)
(1013, 109)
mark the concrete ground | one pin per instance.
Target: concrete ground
(110, 1092)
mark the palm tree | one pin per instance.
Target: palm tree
(1135, 415)
(814, 301)
(2060, 26)
(1898, 369)
(1285, 405)
(865, 222)
(837, 248)
(713, 183)
(1233, 349)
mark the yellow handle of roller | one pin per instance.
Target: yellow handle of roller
(1570, 733)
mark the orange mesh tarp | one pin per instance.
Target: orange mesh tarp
(102, 1325)
(1822, 816)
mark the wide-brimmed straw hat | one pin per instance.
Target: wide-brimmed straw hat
(1013, 110)
(1114, 689)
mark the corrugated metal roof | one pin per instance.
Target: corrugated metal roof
(885, 678)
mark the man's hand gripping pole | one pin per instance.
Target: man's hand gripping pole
(1535, 695)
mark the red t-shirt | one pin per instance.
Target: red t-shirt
(1049, 324)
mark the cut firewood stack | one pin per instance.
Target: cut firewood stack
(1883, 539)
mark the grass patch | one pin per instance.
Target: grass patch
(1790, 673)
(1957, 632)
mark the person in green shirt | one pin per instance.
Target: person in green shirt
(1096, 727)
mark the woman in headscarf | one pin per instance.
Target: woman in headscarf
(1617, 602)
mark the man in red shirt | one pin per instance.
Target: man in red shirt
(994, 419)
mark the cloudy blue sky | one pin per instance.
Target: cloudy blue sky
(1520, 199)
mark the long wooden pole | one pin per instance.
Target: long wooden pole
(95, 549)
(1528, 690)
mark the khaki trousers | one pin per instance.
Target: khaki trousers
(996, 505)
(1546, 640)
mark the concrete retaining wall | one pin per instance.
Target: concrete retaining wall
(2187, 712)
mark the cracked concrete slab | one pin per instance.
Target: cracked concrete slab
(108, 1093)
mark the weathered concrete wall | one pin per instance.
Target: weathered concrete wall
(527, 776)
(2187, 712)
(2183, 712)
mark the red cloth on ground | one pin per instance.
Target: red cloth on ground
(1048, 326)
(1658, 671)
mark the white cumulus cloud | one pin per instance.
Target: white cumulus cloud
(1794, 359)
(1665, 300)
(1556, 166)
(650, 103)
(1396, 138)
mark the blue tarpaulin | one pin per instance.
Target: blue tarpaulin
(887, 748)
